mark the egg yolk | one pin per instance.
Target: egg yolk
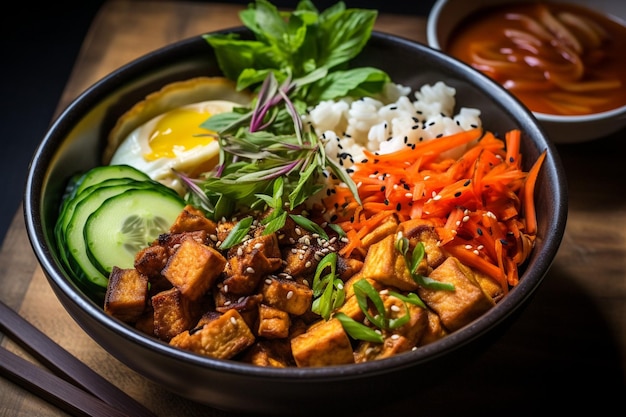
(177, 131)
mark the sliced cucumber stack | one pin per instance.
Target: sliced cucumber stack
(112, 213)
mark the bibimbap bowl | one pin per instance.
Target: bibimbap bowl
(75, 143)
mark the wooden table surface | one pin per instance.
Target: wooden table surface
(567, 350)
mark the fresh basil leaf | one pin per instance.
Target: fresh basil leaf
(357, 82)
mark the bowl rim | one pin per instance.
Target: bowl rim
(62, 285)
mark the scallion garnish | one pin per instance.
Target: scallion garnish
(413, 260)
(238, 233)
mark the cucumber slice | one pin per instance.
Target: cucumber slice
(128, 222)
(78, 259)
(101, 173)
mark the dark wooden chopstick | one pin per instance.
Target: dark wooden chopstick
(64, 365)
(53, 389)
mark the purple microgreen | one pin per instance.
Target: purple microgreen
(194, 188)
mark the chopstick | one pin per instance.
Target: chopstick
(71, 385)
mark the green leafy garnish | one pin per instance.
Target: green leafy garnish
(296, 59)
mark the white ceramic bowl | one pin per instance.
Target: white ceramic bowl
(445, 15)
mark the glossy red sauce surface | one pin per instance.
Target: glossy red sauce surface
(556, 58)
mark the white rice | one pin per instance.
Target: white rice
(389, 123)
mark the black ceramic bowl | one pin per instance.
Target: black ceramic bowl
(75, 142)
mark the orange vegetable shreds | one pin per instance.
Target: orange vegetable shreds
(482, 202)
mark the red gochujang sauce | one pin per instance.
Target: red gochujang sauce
(557, 58)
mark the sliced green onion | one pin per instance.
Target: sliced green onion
(358, 330)
(363, 291)
(309, 225)
(238, 233)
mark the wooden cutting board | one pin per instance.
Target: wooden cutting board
(566, 350)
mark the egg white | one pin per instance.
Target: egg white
(185, 146)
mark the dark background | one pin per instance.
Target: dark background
(38, 50)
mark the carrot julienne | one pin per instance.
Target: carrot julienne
(481, 204)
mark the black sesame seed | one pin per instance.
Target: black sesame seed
(457, 194)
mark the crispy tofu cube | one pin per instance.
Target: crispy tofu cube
(173, 313)
(191, 219)
(221, 338)
(434, 331)
(273, 322)
(323, 344)
(194, 268)
(127, 294)
(274, 353)
(385, 264)
(386, 228)
(424, 231)
(459, 307)
(401, 339)
(287, 295)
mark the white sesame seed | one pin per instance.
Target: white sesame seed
(227, 302)
(239, 251)
(468, 247)
(268, 281)
(289, 295)
(213, 237)
(233, 320)
(466, 219)
(476, 252)
(395, 308)
(250, 270)
(437, 197)
(395, 336)
(258, 245)
(298, 231)
(225, 288)
(308, 264)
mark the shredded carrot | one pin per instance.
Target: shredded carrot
(481, 202)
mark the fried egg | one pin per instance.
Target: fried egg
(162, 133)
(174, 141)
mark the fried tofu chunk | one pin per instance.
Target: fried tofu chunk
(287, 295)
(459, 307)
(127, 294)
(173, 313)
(273, 323)
(221, 338)
(385, 264)
(323, 344)
(420, 230)
(274, 353)
(401, 339)
(194, 268)
(190, 220)
(249, 262)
